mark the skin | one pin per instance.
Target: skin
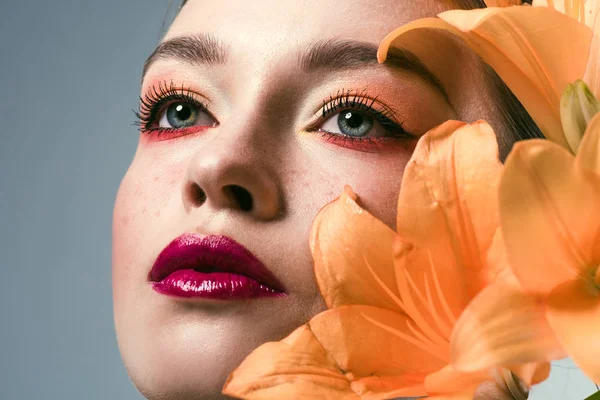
(266, 140)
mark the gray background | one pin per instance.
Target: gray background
(69, 78)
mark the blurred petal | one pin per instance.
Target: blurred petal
(448, 205)
(504, 385)
(587, 164)
(449, 380)
(509, 383)
(366, 340)
(338, 241)
(466, 394)
(378, 388)
(502, 327)
(502, 3)
(532, 373)
(592, 71)
(588, 157)
(549, 215)
(573, 312)
(585, 11)
(295, 367)
(502, 272)
(522, 45)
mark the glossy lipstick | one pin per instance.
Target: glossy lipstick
(214, 267)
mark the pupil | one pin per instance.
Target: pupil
(183, 112)
(353, 120)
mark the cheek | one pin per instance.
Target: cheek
(374, 177)
(139, 206)
(378, 187)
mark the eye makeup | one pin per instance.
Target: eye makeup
(359, 102)
(156, 102)
(166, 103)
(386, 132)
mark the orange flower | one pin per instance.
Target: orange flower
(536, 51)
(550, 218)
(393, 298)
(586, 12)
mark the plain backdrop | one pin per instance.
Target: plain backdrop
(69, 79)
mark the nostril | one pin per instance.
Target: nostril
(241, 196)
(198, 195)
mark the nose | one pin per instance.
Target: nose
(233, 175)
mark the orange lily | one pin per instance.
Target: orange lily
(585, 11)
(551, 224)
(393, 298)
(536, 51)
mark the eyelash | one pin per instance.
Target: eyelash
(153, 102)
(358, 101)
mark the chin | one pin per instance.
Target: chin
(180, 389)
(180, 369)
(189, 355)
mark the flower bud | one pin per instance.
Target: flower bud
(577, 107)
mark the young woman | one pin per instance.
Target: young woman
(253, 116)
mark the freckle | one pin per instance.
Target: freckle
(125, 221)
(144, 210)
(155, 179)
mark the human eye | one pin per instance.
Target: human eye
(354, 116)
(171, 110)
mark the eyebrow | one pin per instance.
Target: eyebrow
(339, 55)
(193, 49)
(330, 55)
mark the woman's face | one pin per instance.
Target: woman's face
(254, 116)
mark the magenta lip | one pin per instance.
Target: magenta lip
(212, 267)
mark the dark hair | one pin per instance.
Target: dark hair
(515, 118)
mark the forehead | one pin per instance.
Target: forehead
(283, 23)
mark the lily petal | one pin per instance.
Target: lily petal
(573, 312)
(338, 238)
(502, 327)
(549, 215)
(522, 45)
(366, 341)
(448, 204)
(294, 367)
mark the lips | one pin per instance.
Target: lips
(211, 266)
